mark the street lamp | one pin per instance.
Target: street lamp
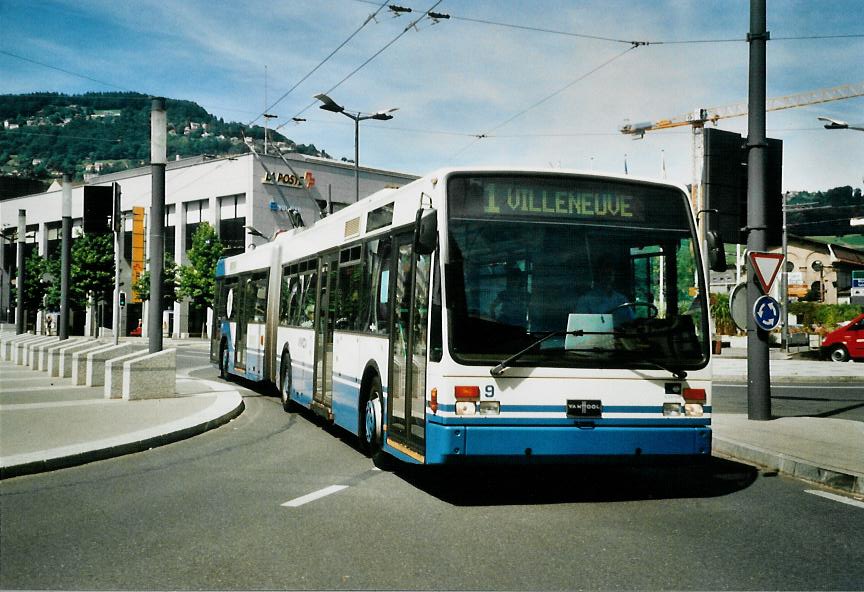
(329, 104)
(835, 124)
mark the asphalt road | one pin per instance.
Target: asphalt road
(210, 513)
(839, 401)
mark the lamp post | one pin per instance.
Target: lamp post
(832, 124)
(329, 104)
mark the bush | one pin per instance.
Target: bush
(823, 318)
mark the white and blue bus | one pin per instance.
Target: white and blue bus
(486, 314)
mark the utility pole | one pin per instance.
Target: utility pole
(65, 258)
(158, 162)
(758, 372)
(116, 226)
(19, 300)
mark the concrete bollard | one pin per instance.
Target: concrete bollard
(18, 348)
(66, 359)
(151, 377)
(114, 374)
(94, 374)
(57, 364)
(27, 354)
(50, 361)
(38, 350)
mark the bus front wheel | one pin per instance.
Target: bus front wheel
(372, 418)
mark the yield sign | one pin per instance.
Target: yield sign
(766, 266)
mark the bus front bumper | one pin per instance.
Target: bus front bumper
(455, 444)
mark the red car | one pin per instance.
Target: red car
(846, 342)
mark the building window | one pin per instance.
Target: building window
(232, 219)
(196, 213)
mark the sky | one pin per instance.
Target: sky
(509, 82)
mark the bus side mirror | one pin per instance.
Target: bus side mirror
(426, 231)
(716, 251)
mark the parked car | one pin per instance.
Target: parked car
(845, 343)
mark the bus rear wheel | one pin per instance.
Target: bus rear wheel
(285, 383)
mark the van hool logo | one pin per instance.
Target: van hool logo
(307, 181)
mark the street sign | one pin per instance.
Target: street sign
(766, 313)
(766, 266)
(738, 306)
(857, 292)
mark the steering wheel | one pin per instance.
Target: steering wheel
(652, 310)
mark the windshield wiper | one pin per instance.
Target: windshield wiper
(679, 373)
(499, 369)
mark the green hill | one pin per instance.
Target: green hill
(46, 134)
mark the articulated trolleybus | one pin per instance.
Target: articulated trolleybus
(486, 315)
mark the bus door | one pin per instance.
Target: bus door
(244, 292)
(406, 404)
(325, 322)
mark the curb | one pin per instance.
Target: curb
(803, 379)
(228, 405)
(839, 479)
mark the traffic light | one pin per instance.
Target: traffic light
(98, 206)
(725, 181)
(122, 299)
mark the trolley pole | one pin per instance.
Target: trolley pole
(758, 372)
(65, 258)
(158, 162)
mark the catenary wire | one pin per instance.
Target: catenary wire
(321, 63)
(364, 64)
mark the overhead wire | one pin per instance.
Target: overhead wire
(536, 104)
(364, 64)
(321, 63)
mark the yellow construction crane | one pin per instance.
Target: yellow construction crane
(697, 120)
(713, 114)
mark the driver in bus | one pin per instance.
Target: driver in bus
(603, 298)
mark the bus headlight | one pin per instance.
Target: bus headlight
(466, 408)
(671, 409)
(693, 410)
(490, 408)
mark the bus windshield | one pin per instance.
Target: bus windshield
(610, 267)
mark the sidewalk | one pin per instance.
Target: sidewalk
(47, 423)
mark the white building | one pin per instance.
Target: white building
(233, 194)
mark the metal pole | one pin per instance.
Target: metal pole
(785, 279)
(65, 258)
(758, 372)
(19, 299)
(115, 226)
(158, 162)
(356, 157)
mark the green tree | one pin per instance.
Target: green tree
(92, 273)
(170, 270)
(197, 278)
(34, 287)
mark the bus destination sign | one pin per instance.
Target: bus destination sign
(510, 200)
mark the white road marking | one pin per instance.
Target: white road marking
(836, 498)
(295, 503)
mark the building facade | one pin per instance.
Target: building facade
(246, 198)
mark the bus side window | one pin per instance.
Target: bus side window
(260, 286)
(285, 299)
(307, 312)
(376, 265)
(382, 305)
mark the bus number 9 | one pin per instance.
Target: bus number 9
(490, 391)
